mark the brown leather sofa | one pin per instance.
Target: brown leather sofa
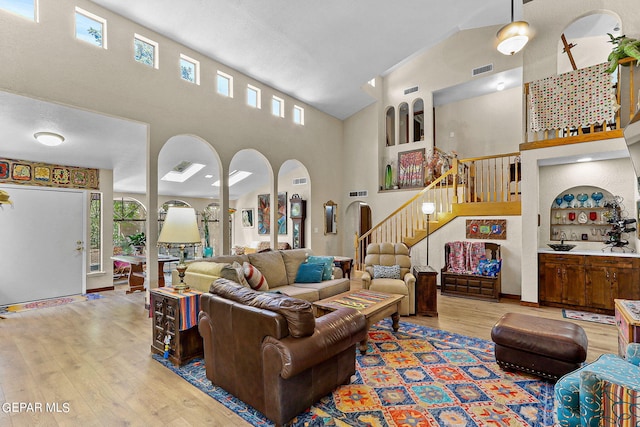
(268, 350)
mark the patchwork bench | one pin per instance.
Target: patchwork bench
(544, 347)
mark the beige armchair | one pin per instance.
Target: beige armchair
(390, 254)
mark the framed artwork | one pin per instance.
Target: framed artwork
(247, 218)
(264, 225)
(487, 229)
(411, 168)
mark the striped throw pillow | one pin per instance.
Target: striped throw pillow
(254, 277)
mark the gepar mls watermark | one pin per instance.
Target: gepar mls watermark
(35, 407)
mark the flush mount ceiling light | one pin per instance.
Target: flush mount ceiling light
(513, 36)
(500, 86)
(48, 138)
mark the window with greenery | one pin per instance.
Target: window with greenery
(189, 69)
(253, 97)
(95, 233)
(129, 218)
(25, 8)
(225, 84)
(91, 28)
(145, 51)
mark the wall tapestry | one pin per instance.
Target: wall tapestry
(487, 229)
(46, 175)
(411, 168)
(264, 225)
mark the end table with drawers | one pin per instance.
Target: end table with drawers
(426, 290)
(175, 318)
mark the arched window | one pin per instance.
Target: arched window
(418, 120)
(403, 123)
(129, 219)
(391, 127)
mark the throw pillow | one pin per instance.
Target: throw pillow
(386, 271)
(255, 278)
(309, 273)
(327, 261)
(235, 273)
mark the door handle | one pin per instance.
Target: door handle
(79, 246)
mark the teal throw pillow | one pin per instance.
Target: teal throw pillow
(327, 261)
(309, 273)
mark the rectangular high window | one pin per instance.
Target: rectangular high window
(253, 97)
(277, 106)
(25, 8)
(145, 51)
(224, 84)
(189, 69)
(298, 115)
(91, 28)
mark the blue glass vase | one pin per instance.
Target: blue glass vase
(597, 196)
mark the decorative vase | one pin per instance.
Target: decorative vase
(207, 252)
(388, 180)
(597, 196)
(568, 198)
(582, 198)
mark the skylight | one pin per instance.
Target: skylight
(235, 177)
(225, 84)
(25, 8)
(182, 172)
(189, 69)
(91, 28)
(253, 97)
(145, 51)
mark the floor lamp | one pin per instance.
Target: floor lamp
(428, 208)
(180, 228)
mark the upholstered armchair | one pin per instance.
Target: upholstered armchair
(388, 269)
(603, 393)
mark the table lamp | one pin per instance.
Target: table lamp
(428, 208)
(180, 228)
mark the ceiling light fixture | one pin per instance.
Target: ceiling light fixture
(513, 36)
(49, 138)
(500, 86)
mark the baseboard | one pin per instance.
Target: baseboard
(106, 288)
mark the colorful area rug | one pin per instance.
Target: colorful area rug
(589, 317)
(46, 303)
(415, 377)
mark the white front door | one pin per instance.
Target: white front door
(41, 244)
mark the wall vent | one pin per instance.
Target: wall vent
(411, 90)
(299, 181)
(361, 193)
(482, 70)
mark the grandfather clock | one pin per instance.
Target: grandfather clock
(298, 213)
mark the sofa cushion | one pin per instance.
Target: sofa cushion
(235, 273)
(386, 271)
(327, 261)
(255, 278)
(324, 289)
(309, 273)
(298, 313)
(292, 260)
(206, 267)
(271, 265)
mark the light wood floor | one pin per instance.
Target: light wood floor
(95, 356)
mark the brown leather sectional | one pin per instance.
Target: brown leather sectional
(268, 350)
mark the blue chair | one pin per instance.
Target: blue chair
(603, 393)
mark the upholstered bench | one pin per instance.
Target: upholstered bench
(544, 347)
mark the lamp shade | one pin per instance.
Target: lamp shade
(513, 37)
(428, 208)
(180, 226)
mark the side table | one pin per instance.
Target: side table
(176, 316)
(628, 323)
(345, 264)
(426, 290)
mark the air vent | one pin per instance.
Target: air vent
(482, 70)
(411, 90)
(361, 193)
(299, 181)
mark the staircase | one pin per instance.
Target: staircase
(479, 186)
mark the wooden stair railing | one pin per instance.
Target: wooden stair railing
(488, 185)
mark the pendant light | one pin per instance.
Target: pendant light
(513, 36)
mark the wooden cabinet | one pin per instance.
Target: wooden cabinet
(562, 279)
(426, 290)
(587, 282)
(169, 320)
(627, 314)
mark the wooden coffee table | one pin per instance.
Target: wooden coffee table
(374, 305)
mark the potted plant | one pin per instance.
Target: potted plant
(138, 241)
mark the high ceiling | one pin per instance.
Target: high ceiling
(320, 52)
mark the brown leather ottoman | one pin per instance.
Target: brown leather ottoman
(544, 347)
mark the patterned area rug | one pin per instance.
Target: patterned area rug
(589, 317)
(415, 377)
(46, 303)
